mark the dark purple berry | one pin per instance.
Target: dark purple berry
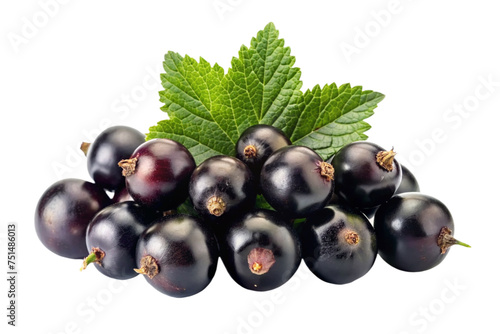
(178, 255)
(112, 237)
(63, 213)
(338, 244)
(157, 174)
(260, 250)
(414, 231)
(366, 175)
(257, 143)
(111, 146)
(296, 181)
(222, 186)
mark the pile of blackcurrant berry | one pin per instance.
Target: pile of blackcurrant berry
(317, 211)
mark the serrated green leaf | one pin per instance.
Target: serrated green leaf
(333, 117)
(263, 85)
(189, 97)
(209, 109)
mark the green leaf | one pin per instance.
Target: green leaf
(333, 117)
(189, 98)
(209, 109)
(263, 85)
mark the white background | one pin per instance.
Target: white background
(71, 68)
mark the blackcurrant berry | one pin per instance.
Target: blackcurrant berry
(414, 231)
(408, 182)
(296, 181)
(257, 143)
(111, 146)
(112, 237)
(260, 250)
(221, 186)
(338, 244)
(178, 255)
(366, 175)
(157, 174)
(63, 213)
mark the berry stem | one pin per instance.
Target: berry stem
(385, 159)
(149, 267)
(462, 243)
(250, 152)
(216, 206)
(446, 240)
(326, 170)
(128, 166)
(95, 256)
(85, 147)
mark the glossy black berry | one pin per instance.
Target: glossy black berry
(63, 213)
(178, 255)
(221, 186)
(111, 146)
(366, 175)
(296, 181)
(257, 143)
(409, 182)
(260, 250)
(414, 231)
(157, 174)
(338, 244)
(112, 237)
